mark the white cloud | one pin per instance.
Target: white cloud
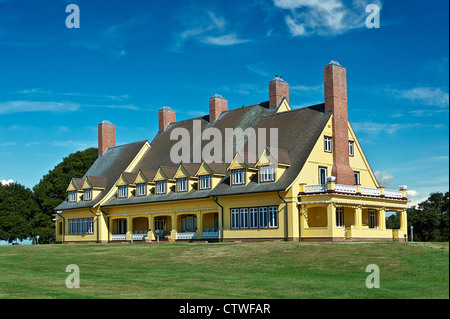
(384, 178)
(6, 182)
(423, 95)
(227, 39)
(37, 106)
(323, 17)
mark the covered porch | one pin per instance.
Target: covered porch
(163, 226)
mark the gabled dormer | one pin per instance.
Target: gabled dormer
(241, 172)
(74, 190)
(125, 185)
(164, 180)
(210, 175)
(185, 177)
(272, 164)
(92, 186)
(144, 182)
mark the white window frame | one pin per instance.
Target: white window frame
(238, 177)
(204, 182)
(234, 212)
(351, 148)
(340, 217)
(263, 217)
(161, 187)
(87, 194)
(123, 191)
(243, 218)
(182, 185)
(141, 189)
(273, 217)
(73, 196)
(81, 226)
(253, 217)
(267, 173)
(357, 178)
(323, 181)
(327, 144)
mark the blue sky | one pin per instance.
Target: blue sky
(130, 58)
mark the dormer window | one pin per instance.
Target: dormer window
(123, 191)
(87, 194)
(141, 189)
(161, 187)
(267, 173)
(72, 196)
(182, 185)
(238, 177)
(204, 182)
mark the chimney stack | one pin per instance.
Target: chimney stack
(166, 116)
(335, 89)
(217, 104)
(106, 136)
(278, 88)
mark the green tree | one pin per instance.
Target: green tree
(430, 218)
(18, 207)
(51, 190)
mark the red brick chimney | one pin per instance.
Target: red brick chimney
(166, 116)
(106, 136)
(217, 104)
(335, 88)
(278, 88)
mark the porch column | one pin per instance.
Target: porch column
(403, 220)
(151, 226)
(331, 219)
(382, 214)
(111, 220)
(358, 217)
(199, 232)
(129, 227)
(174, 231)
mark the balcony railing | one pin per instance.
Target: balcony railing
(118, 237)
(354, 189)
(186, 235)
(212, 234)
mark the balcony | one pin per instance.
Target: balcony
(331, 187)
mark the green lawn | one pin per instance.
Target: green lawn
(226, 270)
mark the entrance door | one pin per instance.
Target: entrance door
(121, 226)
(188, 223)
(161, 223)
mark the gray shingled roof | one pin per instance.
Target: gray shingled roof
(298, 131)
(106, 171)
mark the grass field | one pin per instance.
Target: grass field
(226, 270)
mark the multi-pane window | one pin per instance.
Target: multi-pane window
(238, 177)
(87, 194)
(244, 217)
(72, 196)
(351, 148)
(205, 182)
(123, 191)
(263, 216)
(182, 185)
(81, 226)
(267, 173)
(161, 187)
(339, 217)
(141, 189)
(254, 217)
(327, 144)
(234, 218)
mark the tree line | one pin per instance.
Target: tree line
(26, 213)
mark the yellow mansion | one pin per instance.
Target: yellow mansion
(257, 172)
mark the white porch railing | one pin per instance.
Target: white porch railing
(345, 188)
(118, 237)
(188, 235)
(315, 188)
(207, 235)
(392, 193)
(370, 191)
(138, 236)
